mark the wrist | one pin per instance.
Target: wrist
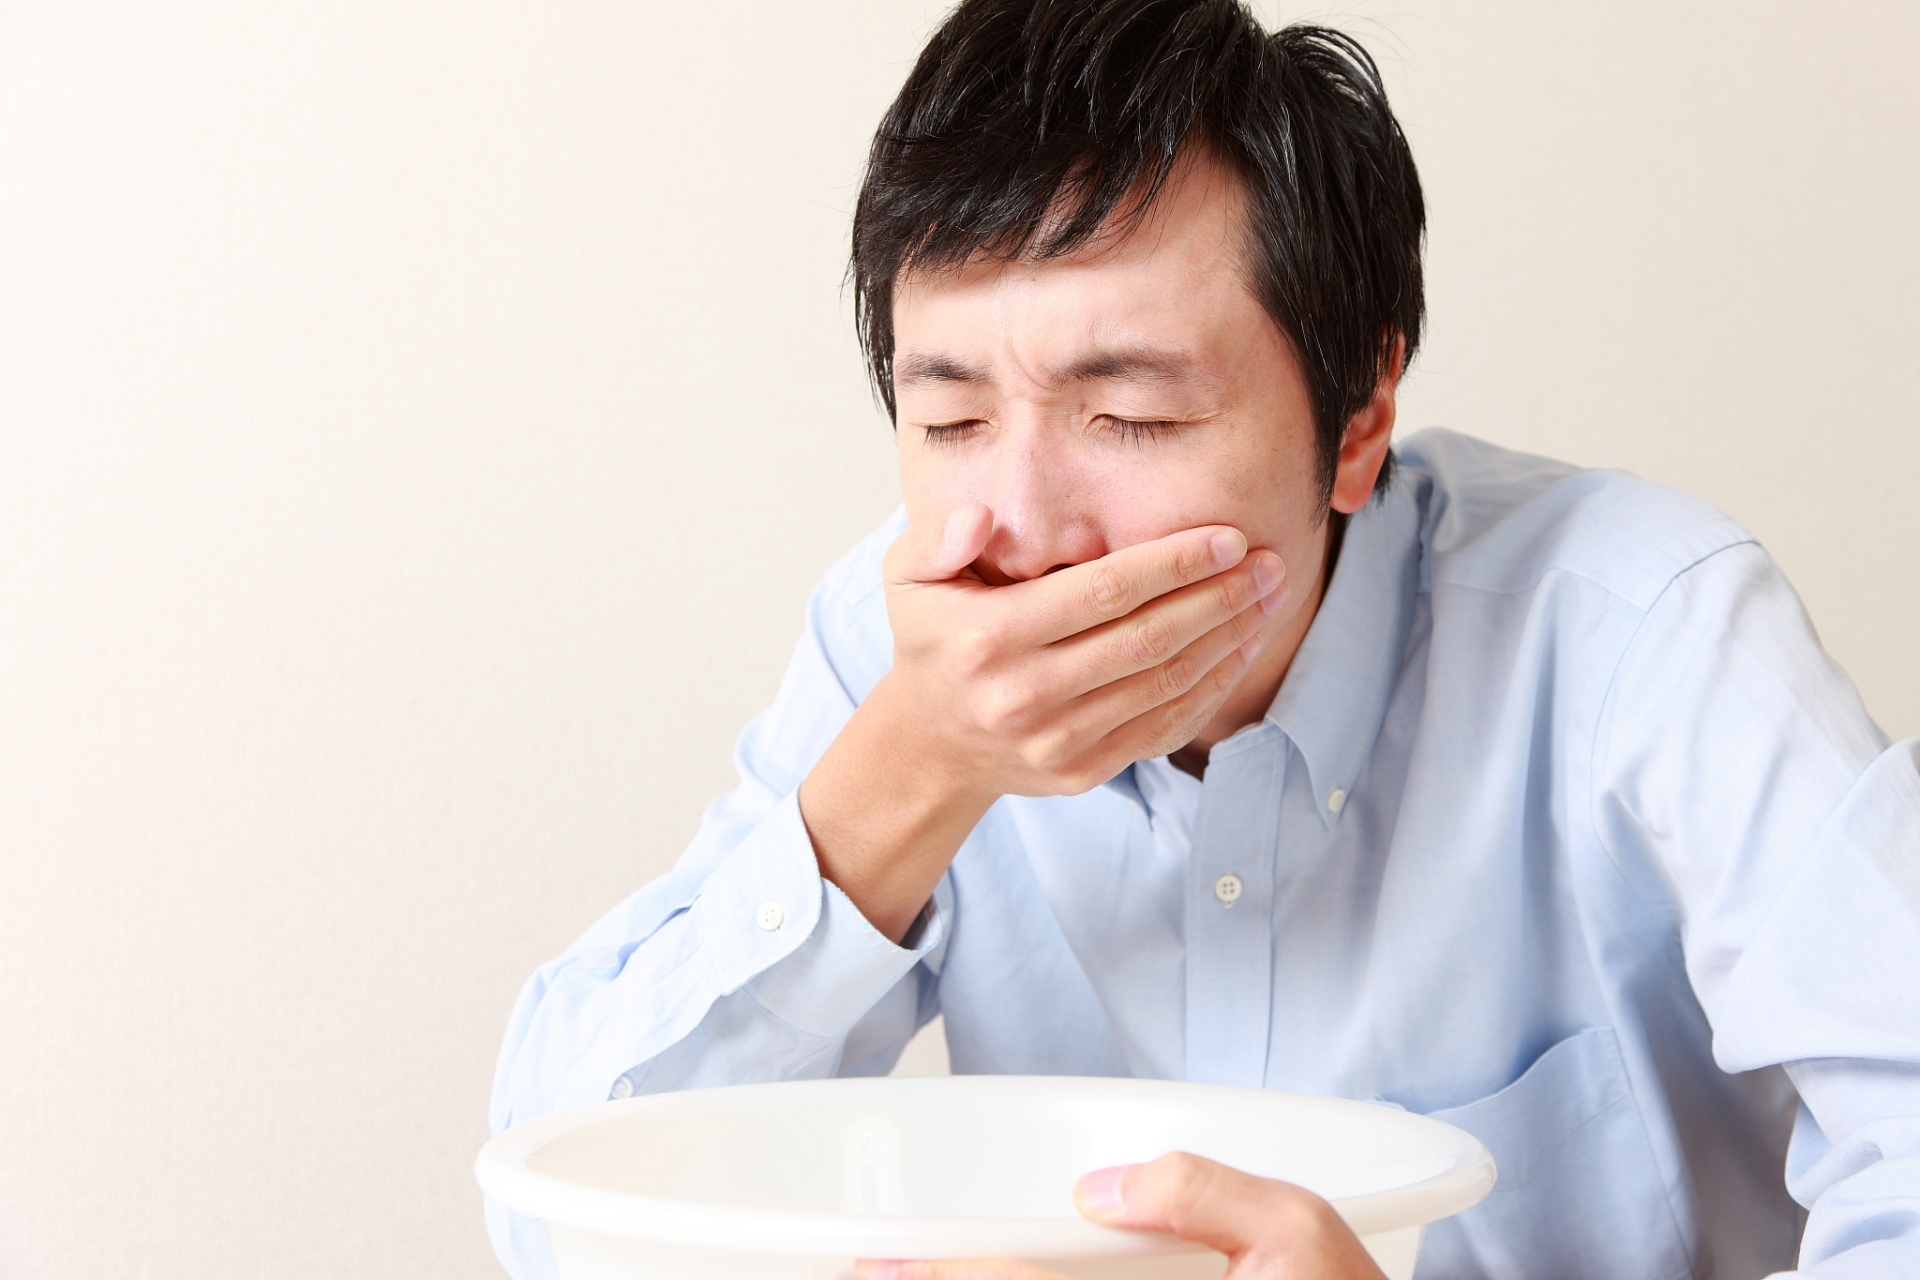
(887, 807)
(923, 768)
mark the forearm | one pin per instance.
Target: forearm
(667, 964)
(636, 1009)
(886, 811)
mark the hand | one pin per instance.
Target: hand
(1044, 687)
(1053, 685)
(1269, 1230)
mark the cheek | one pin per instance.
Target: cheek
(1263, 491)
(933, 482)
(1271, 497)
(1124, 497)
(1154, 499)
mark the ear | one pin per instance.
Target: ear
(1363, 450)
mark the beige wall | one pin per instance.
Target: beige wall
(420, 426)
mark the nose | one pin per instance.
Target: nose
(1043, 512)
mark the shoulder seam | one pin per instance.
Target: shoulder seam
(1600, 720)
(1683, 559)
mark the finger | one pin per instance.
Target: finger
(950, 1269)
(1166, 728)
(1071, 601)
(1079, 756)
(1195, 1199)
(1162, 629)
(936, 550)
(1202, 671)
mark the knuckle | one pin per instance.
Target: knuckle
(1011, 703)
(1189, 562)
(1020, 700)
(1175, 676)
(1307, 1219)
(1107, 589)
(989, 712)
(1046, 754)
(1149, 641)
(1181, 1177)
(1077, 780)
(977, 646)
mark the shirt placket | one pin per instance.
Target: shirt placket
(1229, 918)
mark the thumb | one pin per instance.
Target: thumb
(934, 552)
(1196, 1199)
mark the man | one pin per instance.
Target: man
(1173, 729)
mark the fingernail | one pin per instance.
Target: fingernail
(1228, 546)
(1252, 646)
(1271, 602)
(948, 540)
(1097, 1195)
(1268, 569)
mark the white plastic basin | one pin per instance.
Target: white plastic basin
(793, 1181)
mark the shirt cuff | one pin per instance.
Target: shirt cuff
(804, 952)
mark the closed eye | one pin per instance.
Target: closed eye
(950, 433)
(1138, 430)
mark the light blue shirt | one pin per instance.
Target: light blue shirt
(1562, 828)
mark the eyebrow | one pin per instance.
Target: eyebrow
(918, 368)
(1132, 364)
(1126, 364)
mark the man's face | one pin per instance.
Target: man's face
(1110, 398)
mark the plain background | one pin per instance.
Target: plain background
(420, 427)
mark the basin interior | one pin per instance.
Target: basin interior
(974, 1148)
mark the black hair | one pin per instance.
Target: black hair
(1026, 124)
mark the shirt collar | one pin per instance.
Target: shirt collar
(1335, 694)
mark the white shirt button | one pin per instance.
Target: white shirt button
(771, 917)
(1336, 800)
(1227, 888)
(623, 1088)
